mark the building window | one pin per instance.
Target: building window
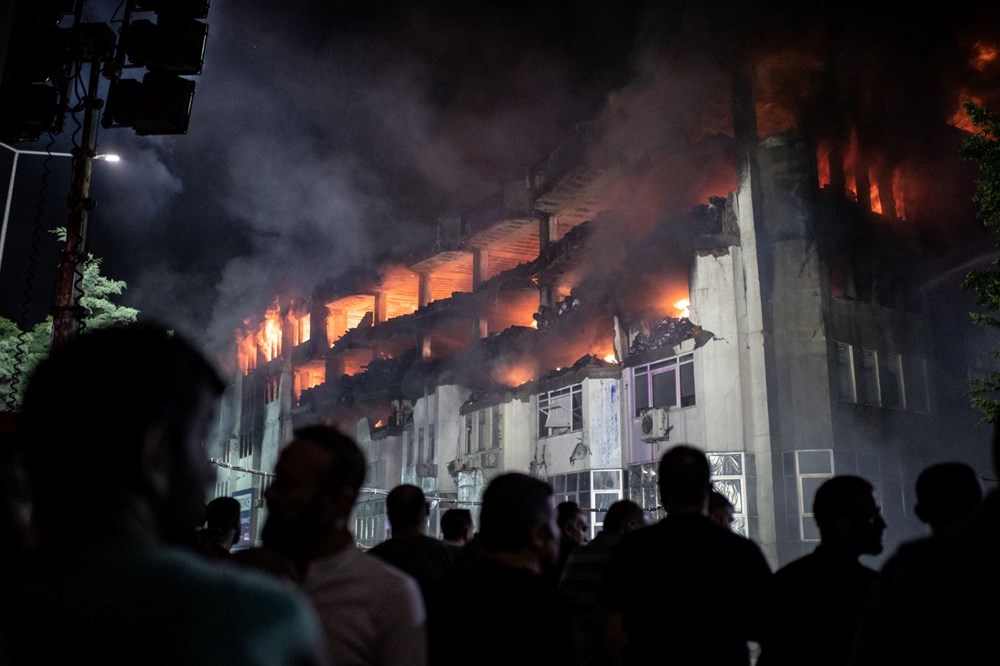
(915, 383)
(431, 444)
(845, 373)
(667, 383)
(560, 411)
(869, 378)
(642, 488)
(496, 423)
(594, 491)
(481, 430)
(375, 475)
(812, 469)
(468, 433)
(891, 381)
(421, 452)
(408, 447)
(370, 523)
(729, 478)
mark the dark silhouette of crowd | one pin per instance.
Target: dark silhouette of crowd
(114, 557)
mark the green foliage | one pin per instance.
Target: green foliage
(984, 148)
(20, 351)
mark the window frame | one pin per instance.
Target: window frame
(683, 368)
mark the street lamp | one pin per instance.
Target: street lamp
(109, 157)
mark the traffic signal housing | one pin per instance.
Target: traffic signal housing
(170, 49)
(33, 73)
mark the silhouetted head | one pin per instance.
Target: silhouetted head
(948, 493)
(222, 514)
(684, 475)
(720, 509)
(406, 508)
(456, 525)
(116, 418)
(572, 521)
(518, 514)
(624, 516)
(316, 482)
(848, 516)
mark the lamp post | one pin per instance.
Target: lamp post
(10, 186)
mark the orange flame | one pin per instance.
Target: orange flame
(873, 191)
(683, 308)
(513, 374)
(246, 350)
(269, 335)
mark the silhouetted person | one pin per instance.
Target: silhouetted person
(667, 580)
(410, 549)
(456, 526)
(814, 602)
(502, 587)
(948, 494)
(111, 433)
(221, 529)
(586, 567)
(720, 509)
(574, 528)
(372, 613)
(935, 600)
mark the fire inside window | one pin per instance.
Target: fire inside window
(667, 383)
(560, 411)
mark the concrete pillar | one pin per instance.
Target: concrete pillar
(547, 229)
(424, 290)
(480, 266)
(380, 308)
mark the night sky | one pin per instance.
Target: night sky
(322, 132)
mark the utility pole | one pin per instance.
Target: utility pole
(67, 313)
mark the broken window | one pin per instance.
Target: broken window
(560, 411)
(481, 430)
(847, 389)
(370, 522)
(891, 381)
(468, 433)
(667, 383)
(729, 473)
(495, 421)
(869, 379)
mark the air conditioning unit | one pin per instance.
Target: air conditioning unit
(655, 424)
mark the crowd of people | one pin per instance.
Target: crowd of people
(115, 558)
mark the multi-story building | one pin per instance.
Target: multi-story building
(795, 326)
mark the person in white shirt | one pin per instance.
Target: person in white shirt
(372, 613)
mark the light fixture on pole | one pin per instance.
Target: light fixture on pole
(109, 157)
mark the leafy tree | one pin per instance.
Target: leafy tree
(20, 351)
(984, 148)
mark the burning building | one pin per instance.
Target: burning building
(773, 286)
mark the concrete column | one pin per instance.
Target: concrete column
(480, 266)
(381, 301)
(424, 290)
(547, 229)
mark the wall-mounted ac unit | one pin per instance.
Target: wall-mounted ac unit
(655, 424)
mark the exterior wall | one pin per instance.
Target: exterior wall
(519, 434)
(598, 443)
